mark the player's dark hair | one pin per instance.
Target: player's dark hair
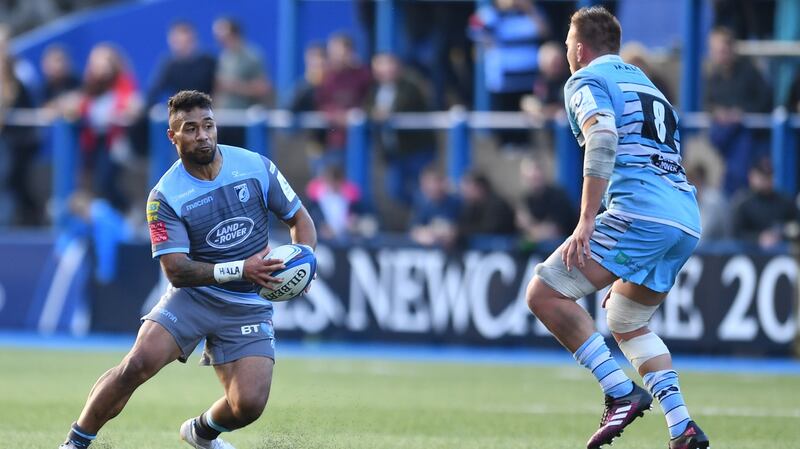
(597, 28)
(186, 100)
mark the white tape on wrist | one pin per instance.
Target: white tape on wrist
(228, 271)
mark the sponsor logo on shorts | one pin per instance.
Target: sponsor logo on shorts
(158, 232)
(168, 315)
(622, 258)
(248, 329)
(230, 232)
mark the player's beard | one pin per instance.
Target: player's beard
(202, 157)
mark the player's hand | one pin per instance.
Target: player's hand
(576, 249)
(259, 270)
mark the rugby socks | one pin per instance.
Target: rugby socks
(206, 428)
(595, 356)
(664, 387)
(78, 437)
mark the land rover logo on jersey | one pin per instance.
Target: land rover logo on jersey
(230, 232)
(243, 192)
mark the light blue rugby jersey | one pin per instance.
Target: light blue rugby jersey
(221, 220)
(648, 182)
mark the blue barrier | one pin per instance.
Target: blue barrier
(784, 152)
(568, 160)
(257, 134)
(358, 159)
(690, 67)
(162, 153)
(459, 151)
(65, 157)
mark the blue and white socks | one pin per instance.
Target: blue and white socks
(664, 386)
(79, 437)
(595, 356)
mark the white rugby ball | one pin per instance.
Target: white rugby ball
(299, 272)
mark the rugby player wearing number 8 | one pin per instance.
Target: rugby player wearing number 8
(629, 132)
(208, 218)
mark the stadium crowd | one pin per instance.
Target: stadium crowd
(524, 70)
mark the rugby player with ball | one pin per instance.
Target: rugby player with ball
(208, 219)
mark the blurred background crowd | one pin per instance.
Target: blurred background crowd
(509, 192)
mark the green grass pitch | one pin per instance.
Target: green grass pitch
(335, 403)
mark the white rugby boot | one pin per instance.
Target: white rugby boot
(67, 445)
(188, 435)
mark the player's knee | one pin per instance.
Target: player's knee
(249, 408)
(625, 315)
(135, 369)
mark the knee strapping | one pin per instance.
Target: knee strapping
(640, 349)
(625, 315)
(572, 284)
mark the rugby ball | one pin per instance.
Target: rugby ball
(299, 272)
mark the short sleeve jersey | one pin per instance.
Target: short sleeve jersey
(648, 182)
(222, 220)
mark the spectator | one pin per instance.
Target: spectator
(435, 211)
(185, 68)
(635, 53)
(18, 144)
(483, 211)
(335, 204)
(305, 93)
(510, 32)
(406, 152)
(241, 81)
(60, 79)
(108, 102)
(344, 87)
(547, 101)
(759, 212)
(714, 211)
(733, 86)
(546, 211)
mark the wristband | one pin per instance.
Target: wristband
(228, 271)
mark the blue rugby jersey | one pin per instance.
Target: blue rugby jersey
(221, 220)
(648, 182)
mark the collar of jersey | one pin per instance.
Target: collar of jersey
(604, 59)
(203, 182)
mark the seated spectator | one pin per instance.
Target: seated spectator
(185, 68)
(483, 211)
(335, 204)
(714, 211)
(547, 100)
(241, 80)
(759, 212)
(18, 148)
(635, 53)
(344, 87)
(108, 102)
(406, 152)
(510, 32)
(60, 79)
(435, 211)
(733, 87)
(546, 211)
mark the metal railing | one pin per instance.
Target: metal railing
(458, 124)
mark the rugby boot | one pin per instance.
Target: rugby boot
(691, 438)
(618, 414)
(190, 436)
(67, 445)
